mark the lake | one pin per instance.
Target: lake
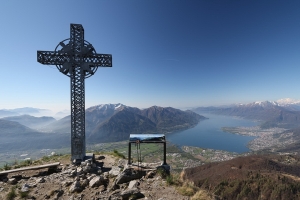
(208, 134)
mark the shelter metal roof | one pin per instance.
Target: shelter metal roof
(147, 138)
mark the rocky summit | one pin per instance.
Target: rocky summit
(102, 178)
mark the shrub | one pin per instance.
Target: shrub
(23, 194)
(12, 194)
(7, 167)
(16, 162)
(162, 172)
(118, 154)
(25, 163)
(46, 158)
(170, 180)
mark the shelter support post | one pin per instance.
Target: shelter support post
(165, 153)
(129, 153)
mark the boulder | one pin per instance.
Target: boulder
(91, 177)
(79, 171)
(106, 176)
(67, 183)
(150, 174)
(114, 171)
(133, 184)
(12, 181)
(25, 188)
(129, 174)
(84, 183)
(131, 193)
(101, 188)
(96, 181)
(58, 194)
(122, 163)
(100, 157)
(86, 169)
(75, 187)
(40, 180)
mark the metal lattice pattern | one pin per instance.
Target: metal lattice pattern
(59, 58)
(77, 114)
(77, 59)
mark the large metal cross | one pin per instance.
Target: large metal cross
(76, 58)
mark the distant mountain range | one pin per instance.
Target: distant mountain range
(24, 111)
(17, 137)
(104, 123)
(30, 121)
(114, 122)
(283, 113)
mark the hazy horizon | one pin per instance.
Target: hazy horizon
(56, 111)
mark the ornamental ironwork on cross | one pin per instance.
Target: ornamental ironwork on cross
(76, 58)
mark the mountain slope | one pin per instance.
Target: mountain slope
(135, 121)
(120, 125)
(93, 116)
(270, 113)
(31, 121)
(251, 177)
(17, 137)
(5, 113)
(114, 122)
(11, 128)
(168, 119)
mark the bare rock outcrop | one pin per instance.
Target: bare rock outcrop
(88, 180)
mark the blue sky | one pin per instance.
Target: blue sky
(166, 53)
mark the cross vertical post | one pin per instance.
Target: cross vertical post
(77, 95)
(76, 58)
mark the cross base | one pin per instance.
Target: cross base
(88, 156)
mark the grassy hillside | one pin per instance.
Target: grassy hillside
(251, 177)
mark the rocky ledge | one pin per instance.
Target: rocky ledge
(93, 180)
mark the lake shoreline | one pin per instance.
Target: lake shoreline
(272, 138)
(208, 134)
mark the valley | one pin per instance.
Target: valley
(25, 136)
(177, 157)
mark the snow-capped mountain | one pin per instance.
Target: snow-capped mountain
(261, 103)
(288, 103)
(104, 107)
(282, 113)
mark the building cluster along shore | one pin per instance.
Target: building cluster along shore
(273, 138)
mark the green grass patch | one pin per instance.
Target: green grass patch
(174, 179)
(7, 167)
(12, 194)
(23, 194)
(118, 154)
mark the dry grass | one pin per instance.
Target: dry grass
(174, 179)
(201, 195)
(187, 189)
